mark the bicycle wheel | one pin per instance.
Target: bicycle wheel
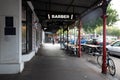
(99, 60)
(111, 67)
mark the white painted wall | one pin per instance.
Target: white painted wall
(11, 58)
(10, 45)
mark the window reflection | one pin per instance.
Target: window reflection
(23, 39)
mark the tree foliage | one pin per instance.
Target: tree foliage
(113, 31)
(111, 19)
(112, 16)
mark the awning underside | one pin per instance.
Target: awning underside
(78, 8)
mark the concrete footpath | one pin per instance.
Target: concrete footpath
(52, 63)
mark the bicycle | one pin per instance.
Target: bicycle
(110, 63)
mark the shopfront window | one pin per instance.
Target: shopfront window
(26, 29)
(23, 38)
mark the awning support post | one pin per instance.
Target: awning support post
(104, 17)
(104, 65)
(79, 39)
(67, 36)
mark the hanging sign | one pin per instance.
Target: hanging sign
(60, 16)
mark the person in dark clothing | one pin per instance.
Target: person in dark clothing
(94, 42)
(62, 44)
(52, 40)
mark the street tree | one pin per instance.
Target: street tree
(111, 19)
(111, 31)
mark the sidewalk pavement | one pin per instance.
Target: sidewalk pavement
(51, 63)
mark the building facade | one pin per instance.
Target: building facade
(20, 35)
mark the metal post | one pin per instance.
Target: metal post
(74, 35)
(104, 8)
(67, 37)
(60, 35)
(104, 65)
(63, 32)
(79, 39)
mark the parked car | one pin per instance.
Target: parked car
(114, 48)
(97, 42)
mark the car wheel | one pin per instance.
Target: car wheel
(108, 52)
